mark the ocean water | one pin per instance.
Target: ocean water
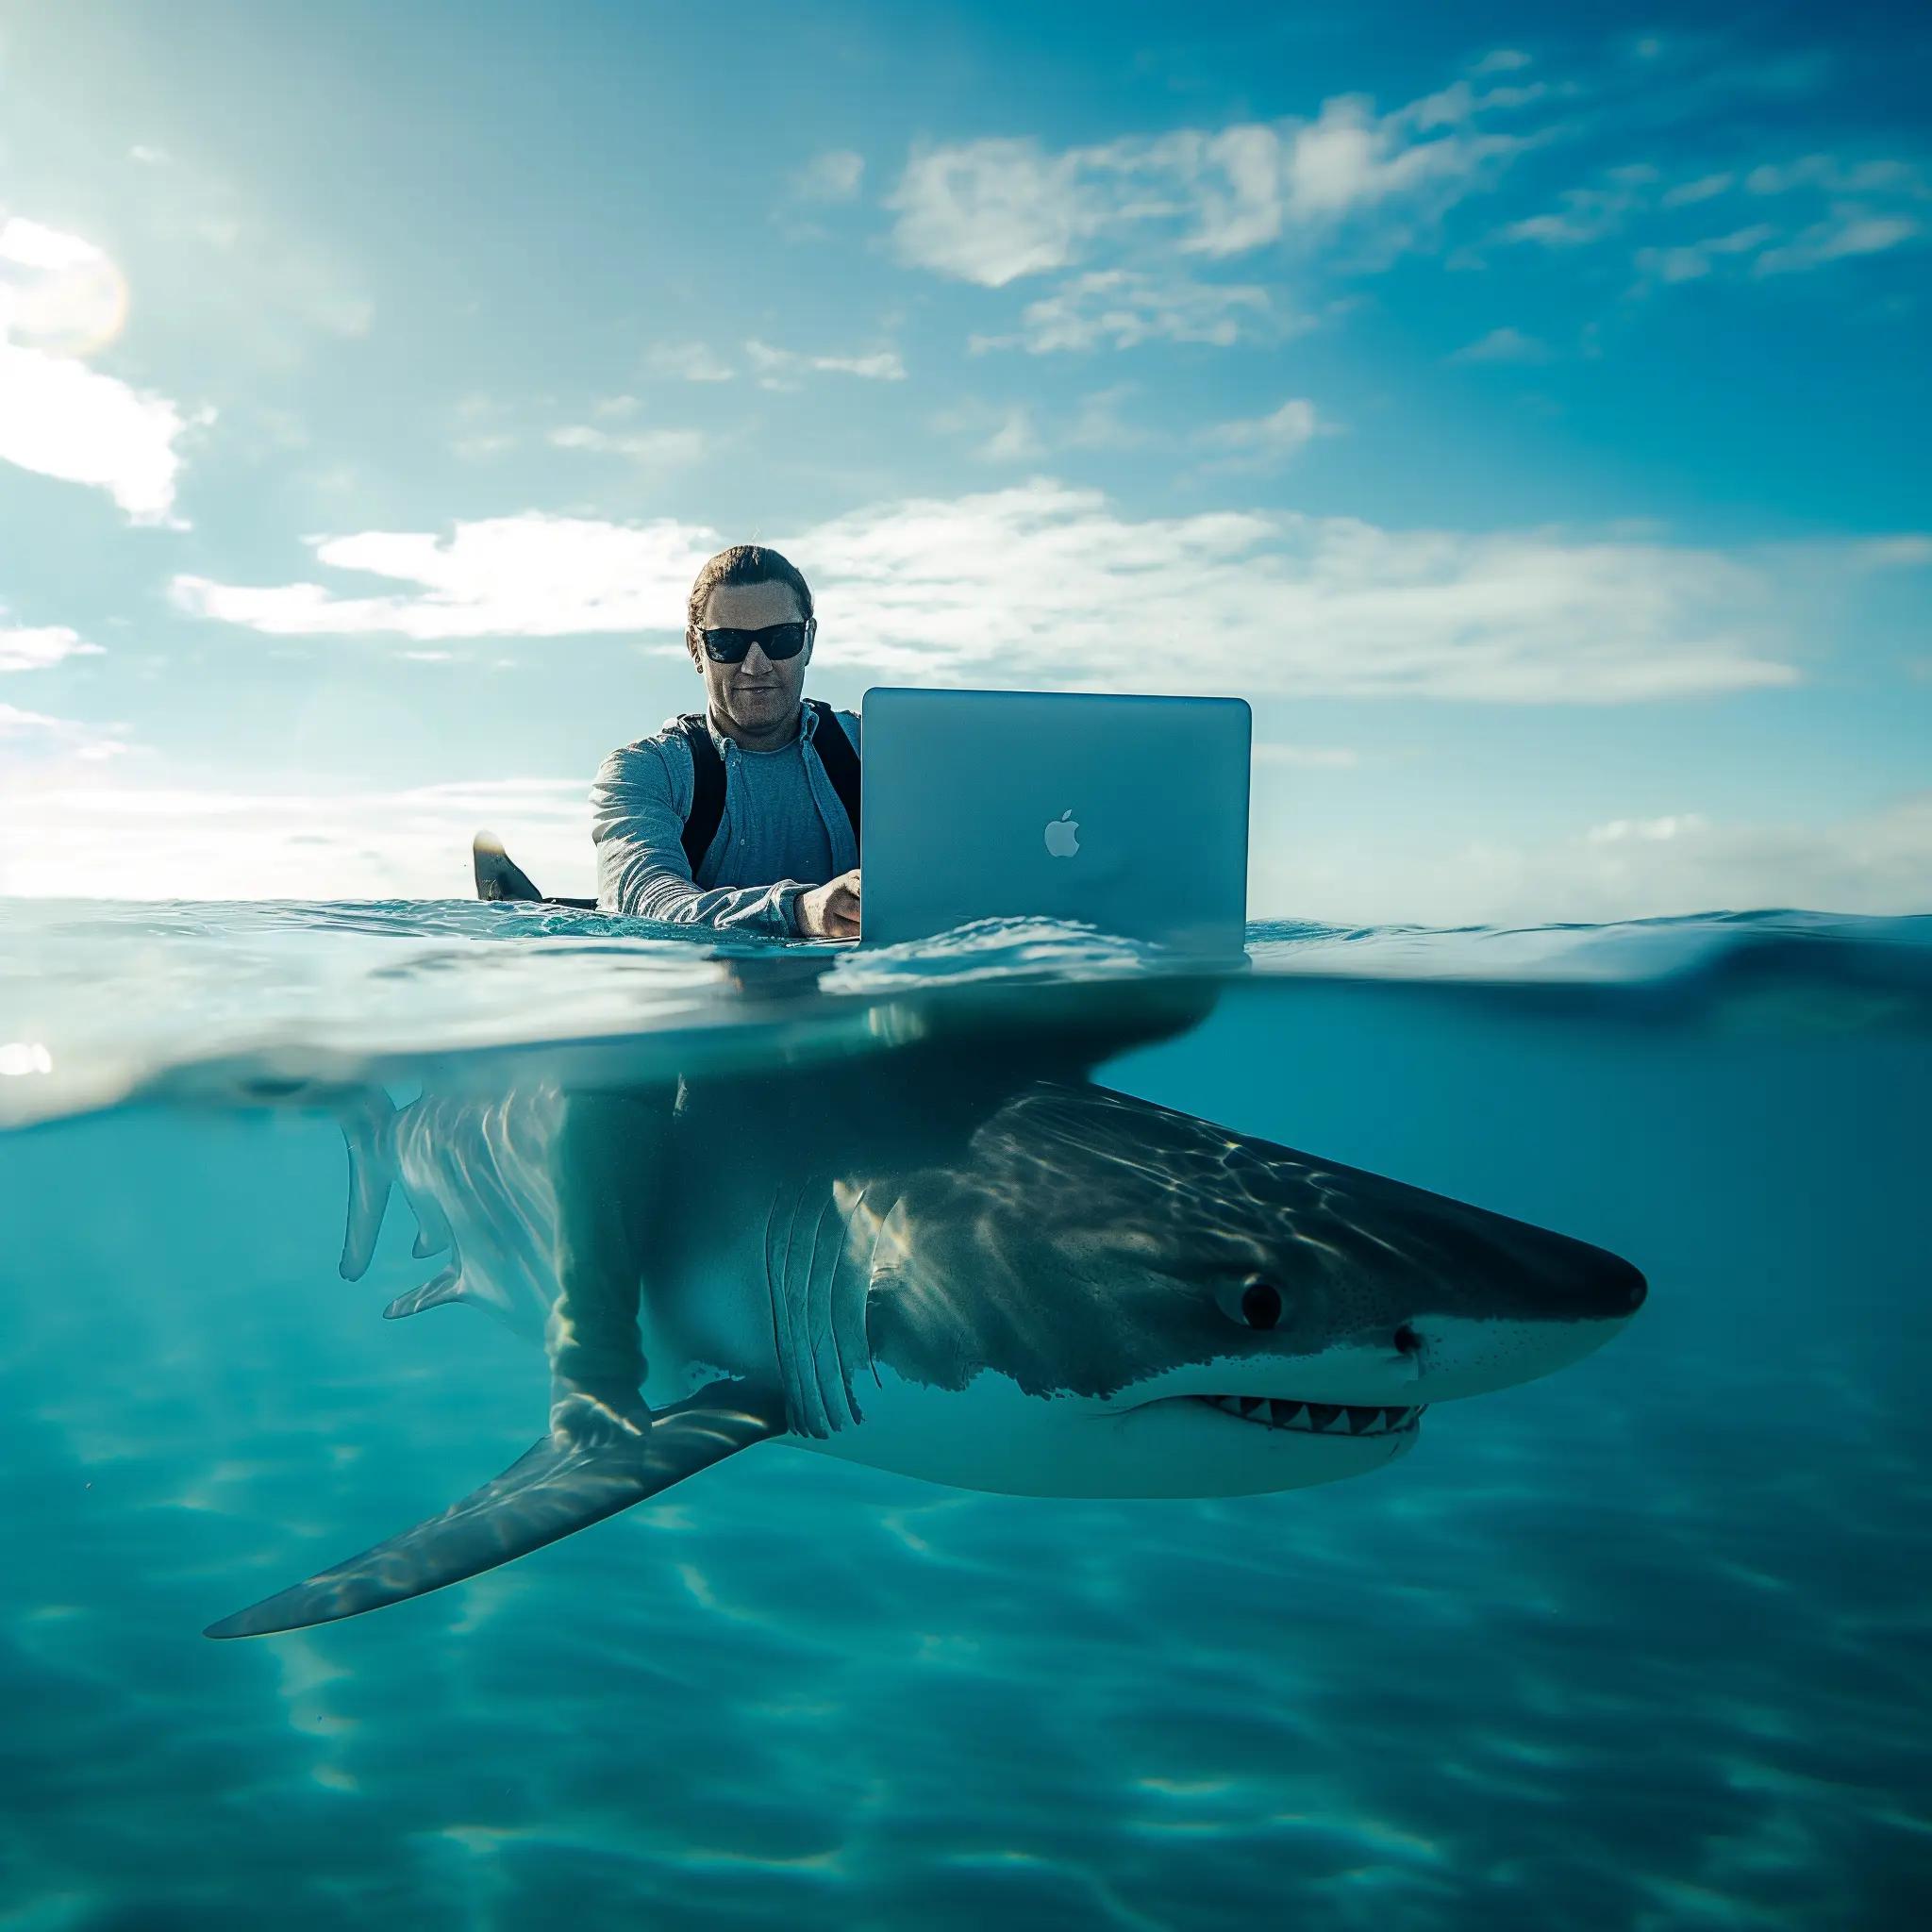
(1642, 1644)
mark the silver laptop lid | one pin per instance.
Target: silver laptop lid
(1129, 813)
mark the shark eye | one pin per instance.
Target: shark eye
(1261, 1302)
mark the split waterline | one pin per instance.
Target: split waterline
(1635, 1643)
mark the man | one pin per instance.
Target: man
(772, 848)
(784, 855)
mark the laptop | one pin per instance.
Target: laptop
(1128, 813)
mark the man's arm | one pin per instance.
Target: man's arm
(638, 823)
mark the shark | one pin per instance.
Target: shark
(959, 1263)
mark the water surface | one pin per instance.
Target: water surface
(1643, 1644)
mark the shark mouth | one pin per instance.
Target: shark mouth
(1317, 1418)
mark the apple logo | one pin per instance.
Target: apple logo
(1063, 835)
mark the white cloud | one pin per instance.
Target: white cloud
(689, 362)
(1621, 831)
(66, 835)
(639, 445)
(1695, 259)
(1044, 584)
(1586, 215)
(1122, 308)
(529, 575)
(33, 734)
(1909, 551)
(1012, 433)
(779, 368)
(1014, 441)
(1701, 189)
(1503, 345)
(1876, 863)
(1883, 217)
(1848, 231)
(993, 210)
(15, 723)
(1831, 175)
(989, 211)
(476, 449)
(833, 175)
(1310, 757)
(1348, 158)
(61, 418)
(1263, 442)
(1504, 60)
(34, 650)
(61, 298)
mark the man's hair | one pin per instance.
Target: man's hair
(743, 564)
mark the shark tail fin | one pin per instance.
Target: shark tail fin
(446, 1287)
(367, 1122)
(557, 1487)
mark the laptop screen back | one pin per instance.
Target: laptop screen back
(1126, 813)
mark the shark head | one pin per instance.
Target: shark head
(1186, 1310)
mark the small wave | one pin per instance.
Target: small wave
(101, 1001)
(1001, 949)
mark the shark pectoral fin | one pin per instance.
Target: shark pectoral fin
(432, 1229)
(365, 1123)
(551, 1492)
(446, 1287)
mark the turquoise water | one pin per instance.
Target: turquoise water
(1641, 1644)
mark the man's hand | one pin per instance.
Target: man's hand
(593, 1415)
(831, 911)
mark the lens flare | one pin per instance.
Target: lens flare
(57, 292)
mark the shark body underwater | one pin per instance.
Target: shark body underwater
(980, 1270)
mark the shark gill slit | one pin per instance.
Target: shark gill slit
(818, 1317)
(801, 1374)
(809, 1375)
(835, 1385)
(848, 1293)
(776, 1301)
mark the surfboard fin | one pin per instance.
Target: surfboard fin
(554, 1490)
(498, 875)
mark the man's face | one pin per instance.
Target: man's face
(757, 696)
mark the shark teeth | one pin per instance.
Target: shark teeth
(1317, 1418)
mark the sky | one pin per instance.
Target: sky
(1526, 408)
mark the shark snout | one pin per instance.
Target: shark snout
(1622, 1286)
(1580, 1298)
(1585, 1283)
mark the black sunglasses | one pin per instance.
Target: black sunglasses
(777, 642)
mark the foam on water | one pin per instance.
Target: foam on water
(1639, 1645)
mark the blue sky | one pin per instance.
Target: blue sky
(1525, 408)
